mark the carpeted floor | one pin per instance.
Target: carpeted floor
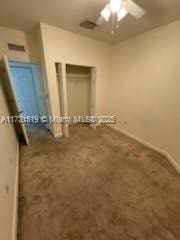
(96, 185)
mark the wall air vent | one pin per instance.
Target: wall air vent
(15, 47)
(88, 24)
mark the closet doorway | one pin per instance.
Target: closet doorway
(77, 91)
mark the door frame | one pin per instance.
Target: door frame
(62, 90)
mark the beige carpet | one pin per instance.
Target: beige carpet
(96, 185)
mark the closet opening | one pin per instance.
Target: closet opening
(77, 91)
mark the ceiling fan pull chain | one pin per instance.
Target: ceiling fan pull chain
(113, 23)
(117, 22)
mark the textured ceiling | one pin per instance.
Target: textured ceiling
(67, 14)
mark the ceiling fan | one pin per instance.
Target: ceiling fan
(116, 10)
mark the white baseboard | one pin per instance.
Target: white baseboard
(16, 197)
(157, 149)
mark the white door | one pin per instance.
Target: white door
(10, 93)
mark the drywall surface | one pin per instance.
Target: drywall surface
(8, 35)
(8, 168)
(8, 141)
(66, 47)
(144, 88)
(29, 40)
(33, 46)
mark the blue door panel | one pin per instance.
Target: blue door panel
(26, 93)
(26, 79)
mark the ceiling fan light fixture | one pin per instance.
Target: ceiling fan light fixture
(116, 10)
(115, 5)
(106, 12)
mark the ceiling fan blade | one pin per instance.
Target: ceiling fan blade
(106, 12)
(134, 9)
(122, 13)
(101, 20)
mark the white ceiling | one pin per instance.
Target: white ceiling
(67, 14)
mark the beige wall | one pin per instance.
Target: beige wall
(66, 47)
(33, 46)
(145, 87)
(8, 35)
(29, 40)
(8, 140)
(8, 168)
